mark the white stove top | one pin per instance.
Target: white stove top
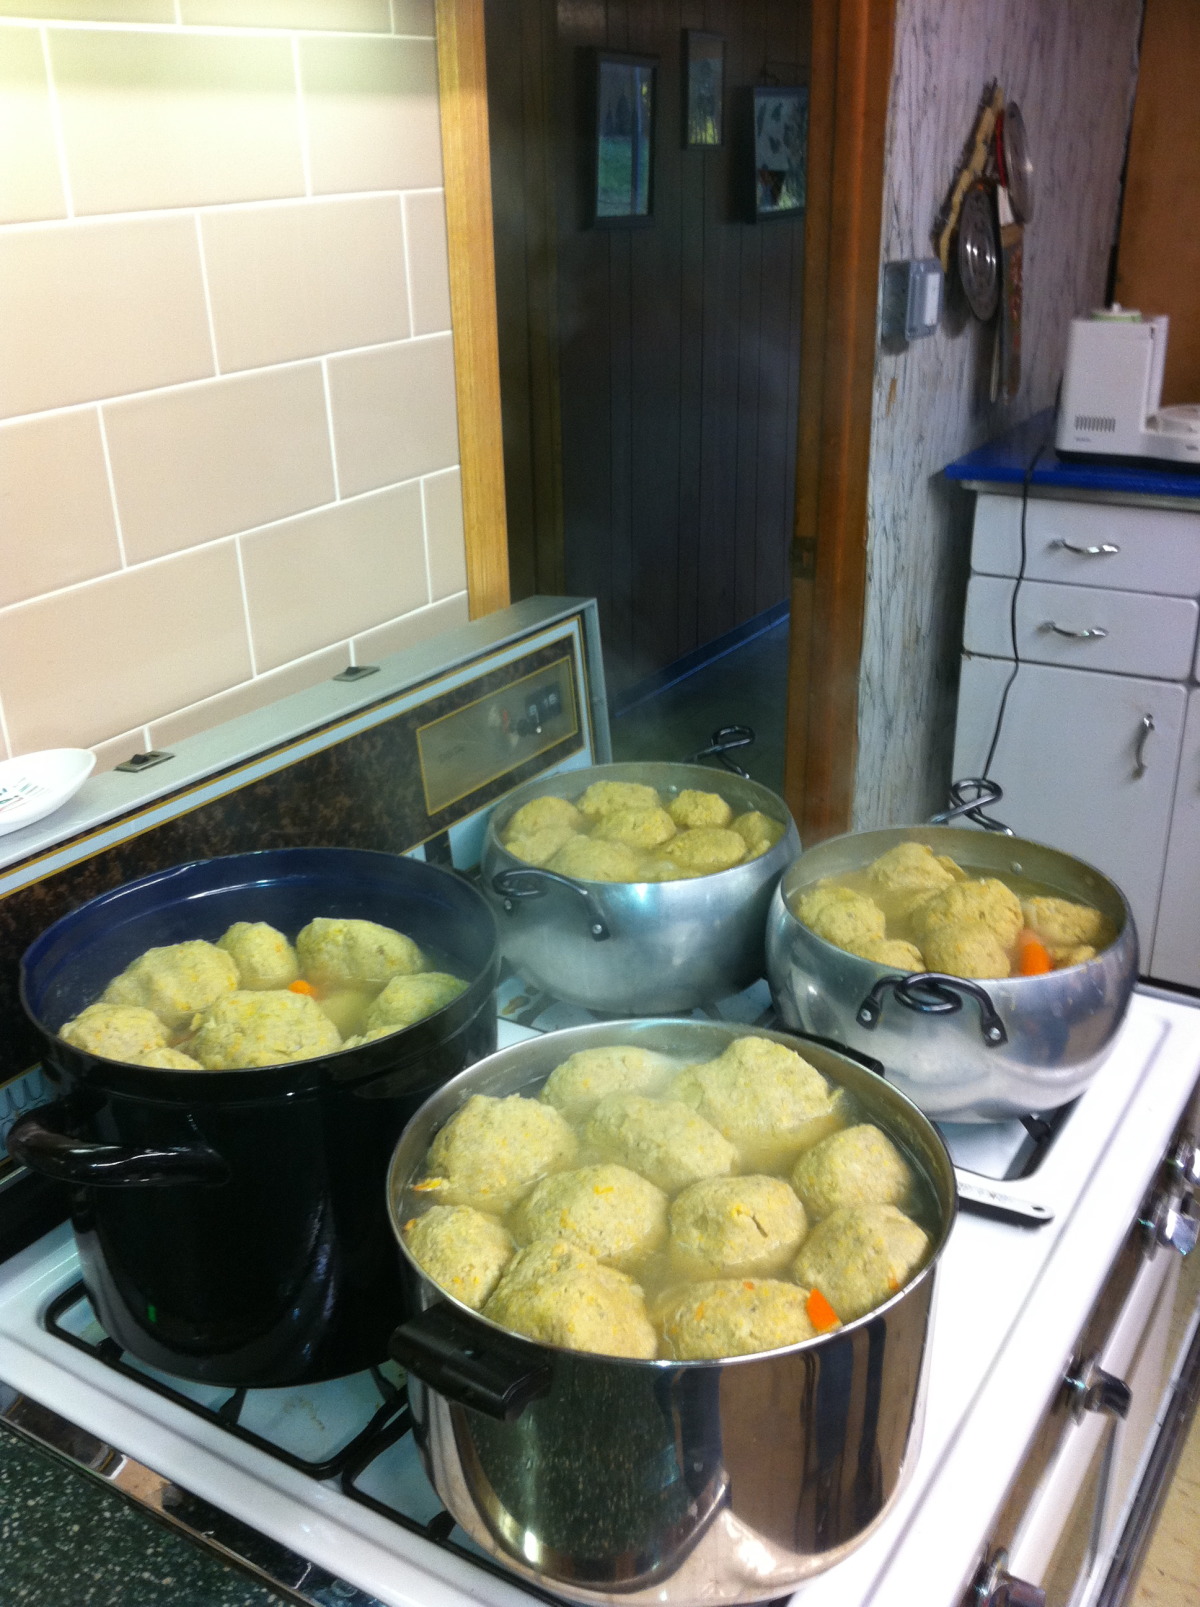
(1010, 1302)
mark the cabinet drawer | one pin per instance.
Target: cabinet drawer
(1128, 633)
(1156, 549)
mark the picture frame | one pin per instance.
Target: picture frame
(779, 133)
(623, 162)
(704, 89)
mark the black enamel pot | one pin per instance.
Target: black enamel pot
(232, 1225)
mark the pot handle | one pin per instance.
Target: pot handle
(725, 738)
(933, 993)
(470, 1364)
(867, 1062)
(39, 1141)
(532, 882)
(968, 798)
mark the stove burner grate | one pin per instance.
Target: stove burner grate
(317, 1429)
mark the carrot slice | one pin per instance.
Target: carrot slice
(1033, 957)
(301, 986)
(820, 1313)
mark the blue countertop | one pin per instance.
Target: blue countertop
(1006, 460)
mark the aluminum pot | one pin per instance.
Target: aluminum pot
(963, 1051)
(636, 948)
(610, 1480)
(231, 1224)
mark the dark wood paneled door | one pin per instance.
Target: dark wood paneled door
(649, 375)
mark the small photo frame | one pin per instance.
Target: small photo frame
(626, 88)
(704, 86)
(780, 150)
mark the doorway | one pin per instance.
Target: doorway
(649, 373)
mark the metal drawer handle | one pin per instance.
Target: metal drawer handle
(1103, 549)
(1139, 753)
(1090, 1389)
(1089, 633)
(994, 1586)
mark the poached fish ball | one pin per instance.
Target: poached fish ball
(734, 1317)
(735, 1227)
(703, 850)
(541, 814)
(1061, 924)
(176, 981)
(636, 828)
(582, 1080)
(264, 957)
(758, 831)
(968, 950)
(463, 1250)
(539, 847)
(116, 1031)
(555, 1292)
(987, 903)
(609, 1211)
(339, 953)
(167, 1060)
(492, 1151)
(840, 915)
(859, 1256)
(407, 999)
(664, 1140)
(604, 797)
(764, 1098)
(858, 1166)
(590, 860)
(263, 1028)
(893, 951)
(694, 808)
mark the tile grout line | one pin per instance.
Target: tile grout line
(112, 492)
(237, 547)
(337, 484)
(14, 419)
(425, 542)
(60, 143)
(302, 119)
(215, 541)
(208, 30)
(265, 203)
(8, 748)
(412, 322)
(208, 311)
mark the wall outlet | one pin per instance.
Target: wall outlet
(912, 301)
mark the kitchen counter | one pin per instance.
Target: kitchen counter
(1004, 461)
(67, 1542)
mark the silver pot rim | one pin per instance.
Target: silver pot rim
(871, 970)
(581, 1036)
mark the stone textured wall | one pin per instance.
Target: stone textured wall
(1071, 65)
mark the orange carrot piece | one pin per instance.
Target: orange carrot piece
(820, 1313)
(1033, 957)
(301, 986)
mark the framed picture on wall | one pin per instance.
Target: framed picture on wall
(704, 88)
(780, 150)
(625, 112)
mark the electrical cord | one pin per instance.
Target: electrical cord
(1012, 612)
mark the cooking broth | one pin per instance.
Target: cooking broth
(660, 1275)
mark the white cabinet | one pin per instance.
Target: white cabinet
(1099, 749)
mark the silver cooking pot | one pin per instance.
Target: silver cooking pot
(636, 948)
(961, 1050)
(610, 1480)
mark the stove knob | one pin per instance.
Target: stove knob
(1186, 1161)
(1168, 1222)
(995, 1587)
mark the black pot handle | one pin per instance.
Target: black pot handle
(39, 1141)
(470, 1364)
(933, 993)
(968, 798)
(722, 741)
(532, 882)
(867, 1062)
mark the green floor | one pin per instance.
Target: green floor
(748, 686)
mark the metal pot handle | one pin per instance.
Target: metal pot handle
(725, 738)
(934, 993)
(470, 1364)
(867, 1062)
(968, 797)
(38, 1140)
(532, 882)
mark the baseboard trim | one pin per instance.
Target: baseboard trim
(698, 659)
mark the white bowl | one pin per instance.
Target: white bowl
(37, 784)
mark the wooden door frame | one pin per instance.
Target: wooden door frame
(850, 82)
(851, 79)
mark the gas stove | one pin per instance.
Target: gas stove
(320, 1490)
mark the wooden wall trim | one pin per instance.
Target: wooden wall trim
(462, 86)
(851, 78)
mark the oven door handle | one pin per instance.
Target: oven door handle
(41, 1141)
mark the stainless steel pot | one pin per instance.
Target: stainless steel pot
(609, 1480)
(636, 948)
(962, 1051)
